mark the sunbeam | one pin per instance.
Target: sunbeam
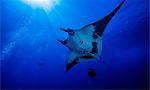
(47, 5)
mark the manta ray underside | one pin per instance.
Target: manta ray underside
(86, 43)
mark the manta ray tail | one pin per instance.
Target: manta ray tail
(101, 24)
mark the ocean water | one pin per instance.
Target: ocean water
(32, 58)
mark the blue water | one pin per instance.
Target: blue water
(31, 57)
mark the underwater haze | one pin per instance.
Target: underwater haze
(32, 58)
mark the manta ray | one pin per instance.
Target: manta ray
(85, 44)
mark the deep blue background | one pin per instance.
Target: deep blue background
(29, 38)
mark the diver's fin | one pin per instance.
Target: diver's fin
(72, 61)
(101, 24)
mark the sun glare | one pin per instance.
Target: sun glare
(45, 4)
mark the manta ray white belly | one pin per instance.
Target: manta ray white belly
(84, 44)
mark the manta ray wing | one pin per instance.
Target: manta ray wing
(100, 25)
(73, 59)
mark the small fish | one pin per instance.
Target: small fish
(41, 64)
(91, 73)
